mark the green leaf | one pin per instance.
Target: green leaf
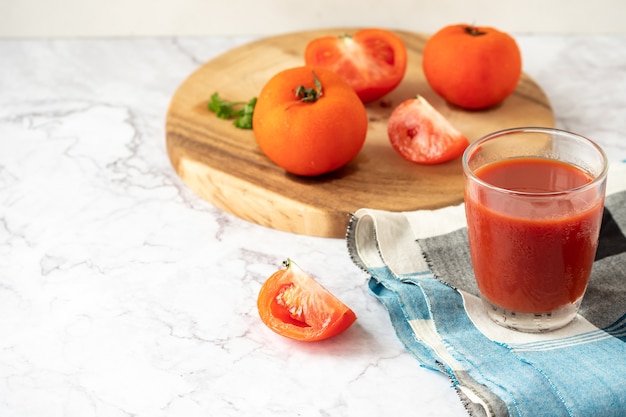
(244, 119)
(225, 109)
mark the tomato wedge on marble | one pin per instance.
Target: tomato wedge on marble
(292, 304)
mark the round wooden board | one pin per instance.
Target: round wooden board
(224, 165)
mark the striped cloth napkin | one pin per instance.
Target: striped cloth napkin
(579, 370)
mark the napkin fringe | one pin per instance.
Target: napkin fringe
(431, 266)
(474, 408)
(351, 242)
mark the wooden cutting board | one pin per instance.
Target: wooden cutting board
(224, 165)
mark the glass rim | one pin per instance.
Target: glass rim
(469, 151)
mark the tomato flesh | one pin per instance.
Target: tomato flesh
(372, 61)
(285, 306)
(420, 134)
(294, 305)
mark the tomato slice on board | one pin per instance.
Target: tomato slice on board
(294, 305)
(421, 134)
(372, 61)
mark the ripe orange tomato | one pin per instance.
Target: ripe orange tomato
(372, 61)
(292, 304)
(420, 134)
(472, 67)
(309, 121)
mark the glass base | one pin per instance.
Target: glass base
(532, 322)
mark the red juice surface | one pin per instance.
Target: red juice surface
(533, 254)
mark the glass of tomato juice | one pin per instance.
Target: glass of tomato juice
(534, 199)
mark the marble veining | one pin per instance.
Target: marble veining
(124, 294)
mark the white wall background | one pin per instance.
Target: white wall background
(105, 18)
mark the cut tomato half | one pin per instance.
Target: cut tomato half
(372, 61)
(421, 134)
(294, 305)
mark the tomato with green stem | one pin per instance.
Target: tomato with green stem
(309, 121)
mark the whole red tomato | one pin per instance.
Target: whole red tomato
(472, 67)
(372, 61)
(309, 121)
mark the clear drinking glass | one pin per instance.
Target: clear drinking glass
(534, 199)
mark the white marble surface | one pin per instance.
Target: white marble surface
(124, 294)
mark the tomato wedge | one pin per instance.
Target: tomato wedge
(372, 61)
(294, 305)
(421, 134)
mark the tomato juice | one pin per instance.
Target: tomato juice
(533, 238)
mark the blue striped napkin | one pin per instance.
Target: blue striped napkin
(421, 272)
